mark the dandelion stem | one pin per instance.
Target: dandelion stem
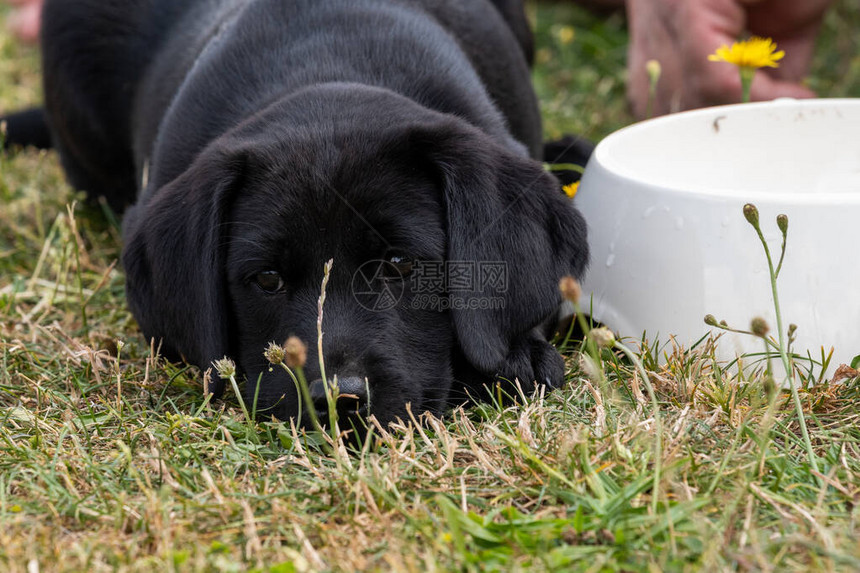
(767, 341)
(654, 70)
(235, 386)
(564, 167)
(783, 353)
(782, 223)
(747, 75)
(305, 397)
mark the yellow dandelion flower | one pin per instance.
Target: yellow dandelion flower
(749, 56)
(654, 70)
(566, 35)
(753, 53)
(570, 190)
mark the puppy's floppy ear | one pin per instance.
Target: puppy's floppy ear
(173, 257)
(510, 224)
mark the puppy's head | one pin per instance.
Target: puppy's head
(447, 250)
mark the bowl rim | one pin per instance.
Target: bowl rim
(598, 160)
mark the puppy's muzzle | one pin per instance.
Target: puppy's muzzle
(351, 403)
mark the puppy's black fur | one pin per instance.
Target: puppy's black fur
(252, 140)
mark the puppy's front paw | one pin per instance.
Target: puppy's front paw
(532, 361)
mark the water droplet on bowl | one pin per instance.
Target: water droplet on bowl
(610, 260)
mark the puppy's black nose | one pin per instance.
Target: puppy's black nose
(351, 400)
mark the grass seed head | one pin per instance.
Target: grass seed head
(296, 352)
(274, 353)
(782, 223)
(751, 214)
(759, 326)
(225, 368)
(603, 337)
(570, 289)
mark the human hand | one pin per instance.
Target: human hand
(680, 34)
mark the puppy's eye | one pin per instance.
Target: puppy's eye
(269, 281)
(402, 263)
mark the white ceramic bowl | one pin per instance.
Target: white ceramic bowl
(664, 198)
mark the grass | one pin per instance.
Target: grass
(111, 461)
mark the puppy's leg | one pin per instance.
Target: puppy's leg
(533, 361)
(94, 55)
(514, 14)
(26, 128)
(88, 90)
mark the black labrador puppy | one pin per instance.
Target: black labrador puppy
(253, 140)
